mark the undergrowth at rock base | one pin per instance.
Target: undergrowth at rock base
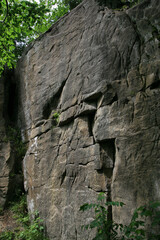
(135, 230)
(26, 229)
(22, 227)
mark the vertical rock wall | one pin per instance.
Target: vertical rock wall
(99, 69)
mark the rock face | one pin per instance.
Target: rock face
(99, 69)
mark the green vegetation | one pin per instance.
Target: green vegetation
(110, 230)
(26, 229)
(55, 118)
(21, 21)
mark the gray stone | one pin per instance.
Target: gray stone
(99, 68)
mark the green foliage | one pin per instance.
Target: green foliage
(55, 118)
(7, 235)
(21, 21)
(27, 230)
(110, 230)
(106, 228)
(19, 208)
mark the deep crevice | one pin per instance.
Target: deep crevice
(92, 97)
(107, 153)
(91, 118)
(13, 135)
(114, 99)
(63, 177)
(10, 110)
(155, 85)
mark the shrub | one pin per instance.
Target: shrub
(55, 118)
(27, 229)
(110, 230)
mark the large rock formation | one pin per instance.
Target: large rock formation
(99, 69)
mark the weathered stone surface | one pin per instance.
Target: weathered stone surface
(100, 69)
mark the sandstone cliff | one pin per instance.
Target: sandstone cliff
(99, 69)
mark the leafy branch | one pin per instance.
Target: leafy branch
(22, 21)
(135, 230)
